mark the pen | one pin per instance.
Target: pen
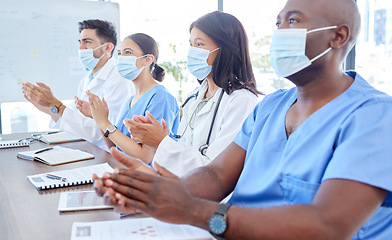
(56, 177)
(39, 135)
(43, 150)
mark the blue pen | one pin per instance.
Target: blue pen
(43, 150)
(56, 177)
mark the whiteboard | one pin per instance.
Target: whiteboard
(39, 43)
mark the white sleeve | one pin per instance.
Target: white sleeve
(56, 125)
(180, 160)
(74, 122)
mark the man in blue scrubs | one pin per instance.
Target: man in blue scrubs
(312, 162)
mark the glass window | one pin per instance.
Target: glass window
(374, 48)
(259, 20)
(168, 23)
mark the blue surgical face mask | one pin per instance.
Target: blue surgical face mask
(287, 53)
(126, 67)
(197, 62)
(87, 58)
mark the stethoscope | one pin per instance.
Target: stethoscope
(203, 148)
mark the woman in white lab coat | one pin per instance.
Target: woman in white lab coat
(214, 112)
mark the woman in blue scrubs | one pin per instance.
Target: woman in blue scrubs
(137, 59)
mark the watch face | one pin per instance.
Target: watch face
(111, 128)
(54, 109)
(217, 224)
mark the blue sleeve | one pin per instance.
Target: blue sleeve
(243, 137)
(363, 149)
(163, 105)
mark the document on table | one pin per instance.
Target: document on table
(141, 228)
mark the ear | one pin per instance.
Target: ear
(342, 36)
(150, 59)
(109, 47)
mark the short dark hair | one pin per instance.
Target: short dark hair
(106, 31)
(232, 68)
(149, 46)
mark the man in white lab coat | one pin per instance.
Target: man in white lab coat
(97, 41)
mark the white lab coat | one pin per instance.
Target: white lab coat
(108, 84)
(183, 156)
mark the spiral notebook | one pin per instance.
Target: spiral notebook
(65, 178)
(14, 143)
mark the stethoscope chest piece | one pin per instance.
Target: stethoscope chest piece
(203, 149)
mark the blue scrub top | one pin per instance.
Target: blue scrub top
(159, 102)
(348, 138)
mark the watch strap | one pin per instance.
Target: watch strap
(56, 107)
(58, 104)
(106, 133)
(222, 209)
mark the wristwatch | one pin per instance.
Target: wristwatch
(218, 221)
(110, 129)
(55, 108)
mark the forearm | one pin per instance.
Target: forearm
(107, 141)
(130, 147)
(338, 211)
(218, 179)
(285, 222)
(204, 183)
(303, 222)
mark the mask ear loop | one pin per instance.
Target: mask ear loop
(214, 50)
(321, 29)
(96, 49)
(326, 51)
(322, 54)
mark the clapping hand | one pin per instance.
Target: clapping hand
(147, 130)
(83, 107)
(99, 110)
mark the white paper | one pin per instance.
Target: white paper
(137, 229)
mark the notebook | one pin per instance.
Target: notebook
(65, 178)
(55, 155)
(57, 137)
(80, 201)
(14, 143)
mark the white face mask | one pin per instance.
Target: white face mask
(287, 53)
(87, 58)
(126, 67)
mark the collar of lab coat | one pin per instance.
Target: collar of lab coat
(102, 75)
(210, 104)
(104, 72)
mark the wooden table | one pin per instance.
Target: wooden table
(26, 213)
